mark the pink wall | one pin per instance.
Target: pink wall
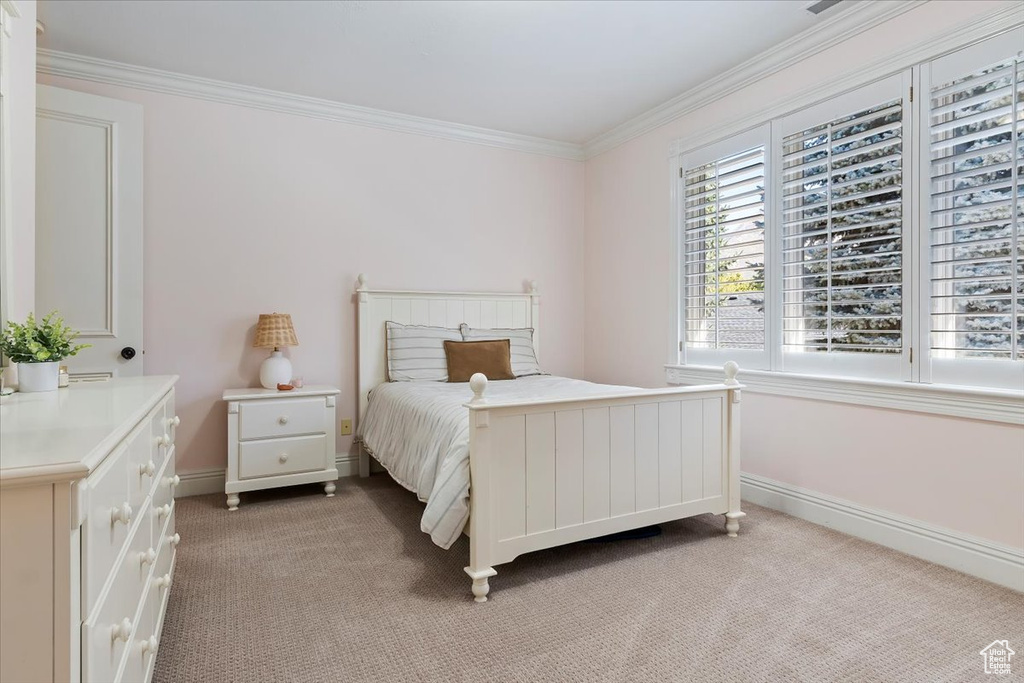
(22, 115)
(249, 212)
(935, 469)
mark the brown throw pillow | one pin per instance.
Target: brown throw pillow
(492, 358)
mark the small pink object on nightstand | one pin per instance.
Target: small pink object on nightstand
(297, 382)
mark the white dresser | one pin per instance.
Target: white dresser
(87, 537)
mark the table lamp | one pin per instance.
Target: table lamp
(273, 331)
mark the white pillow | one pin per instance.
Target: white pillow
(524, 357)
(416, 352)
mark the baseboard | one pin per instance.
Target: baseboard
(201, 482)
(999, 564)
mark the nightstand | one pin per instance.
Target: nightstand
(280, 438)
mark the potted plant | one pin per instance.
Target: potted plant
(38, 348)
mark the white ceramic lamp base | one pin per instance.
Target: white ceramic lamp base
(275, 370)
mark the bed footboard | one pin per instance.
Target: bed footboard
(552, 472)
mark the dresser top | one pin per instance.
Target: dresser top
(63, 435)
(260, 392)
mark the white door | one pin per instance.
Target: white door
(89, 226)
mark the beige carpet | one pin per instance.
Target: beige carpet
(298, 587)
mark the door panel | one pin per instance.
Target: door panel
(89, 225)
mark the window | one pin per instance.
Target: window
(975, 209)
(870, 235)
(842, 234)
(722, 281)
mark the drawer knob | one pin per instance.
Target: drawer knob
(149, 645)
(174, 540)
(163, 581)
(173, 481)
(148, 557)
(173, 421)
(163, 440)
(283, 457)
(148, 469)
(121, 514)
(283, 419)
(122, 631)
(163, 510)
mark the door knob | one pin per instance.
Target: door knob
(128, 353)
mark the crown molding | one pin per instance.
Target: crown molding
(985, 26)
(861, 17)
(55, 63)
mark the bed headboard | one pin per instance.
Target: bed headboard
(440, 309)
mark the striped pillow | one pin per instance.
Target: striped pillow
(524, 357)
(416, 352)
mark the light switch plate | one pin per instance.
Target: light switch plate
(346, 427)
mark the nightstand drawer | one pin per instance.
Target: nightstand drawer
(281, 456)
(262, 419)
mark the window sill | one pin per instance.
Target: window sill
(991, 405)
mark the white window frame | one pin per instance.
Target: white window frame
(914, 389)
(988, 373)
(757, 137)
(873, 366)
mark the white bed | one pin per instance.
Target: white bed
(542, 461)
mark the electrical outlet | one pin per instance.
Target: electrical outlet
(346, 427)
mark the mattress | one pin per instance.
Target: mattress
(419, 431)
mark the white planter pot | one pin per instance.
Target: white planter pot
(38, 376)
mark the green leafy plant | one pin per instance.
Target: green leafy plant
(40, 342)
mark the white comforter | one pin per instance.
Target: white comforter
(419, 431)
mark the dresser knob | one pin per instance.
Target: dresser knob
(122, 631)
(149, 645)
(148, 469)
(283, 458)
(173, 481)
(163, 581)
(173, 421)
(163, 510)
(174, 540)
(121, 514)
(163, 440)
(148, 557)
(283, 419)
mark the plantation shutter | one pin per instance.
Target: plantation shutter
(977, 212)
(842, 225)
(723, 243)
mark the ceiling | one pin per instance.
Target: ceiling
(565, 71)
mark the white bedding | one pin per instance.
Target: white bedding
(419, 431)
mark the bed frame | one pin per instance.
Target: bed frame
(551, 472)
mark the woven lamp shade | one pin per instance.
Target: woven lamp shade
(273, 330)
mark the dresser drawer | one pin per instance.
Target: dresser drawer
(142, 651)
(142, 463)
(163, 492)
(106, 636)
(161, 437)
(281, 456)
(263, 419)
(109, 518)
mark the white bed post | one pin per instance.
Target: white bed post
(363, 305)
(534, 314)
(733, 516)
(480, 531)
